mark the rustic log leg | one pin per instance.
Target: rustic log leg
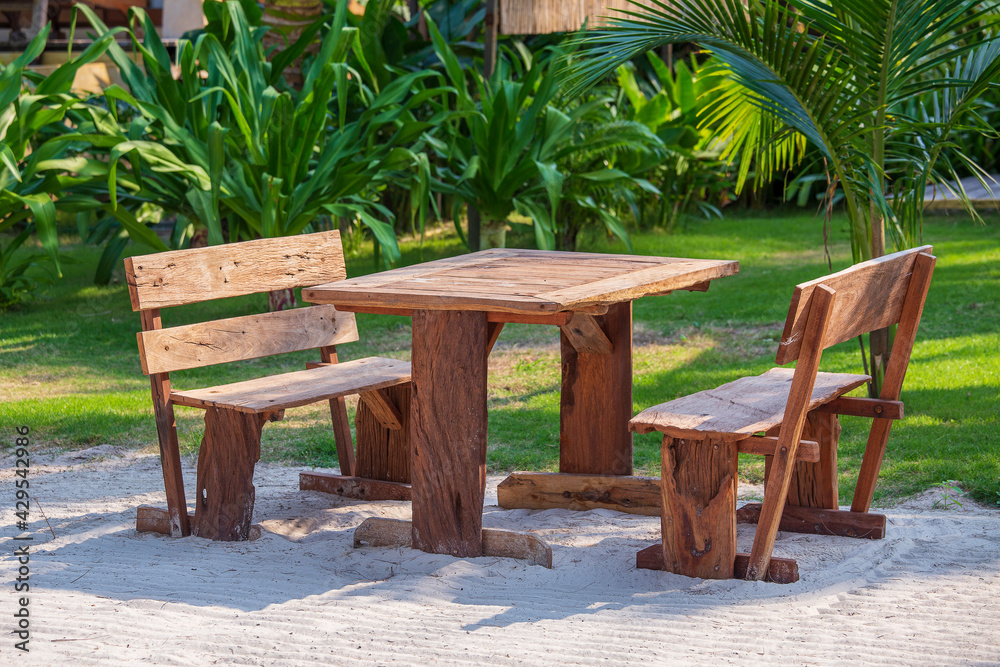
(226, 461)
(448, 431)
(170, 457)
(698, 520)
(815, 484)
(384, 453)
(341, 424)
(596, 401)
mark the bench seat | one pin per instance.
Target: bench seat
(739, 409)
(290, 390)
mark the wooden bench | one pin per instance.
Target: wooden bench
(235, 413)
(790, 415)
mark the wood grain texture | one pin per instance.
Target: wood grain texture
(870, 296)
(339, 419)
(863, 407)
(360, 488)
(780, 571)
(383, 451)
(764, 445)
(596, 401)
(740, 408)
(814, 482)
(225, 491)
(383, 408)
(542, 490)
(166, 435)
(821, 309)
(586, 335)
(529, 282)
(557, 319)
(698, 519)
(820, 521)
(246, 337)
(289, 390)
(892, 384)
(178, 277)
(448, 431)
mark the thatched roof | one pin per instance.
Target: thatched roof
(536, 17)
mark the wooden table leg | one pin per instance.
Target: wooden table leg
(596, 401)
(448, 431)
(698, 520)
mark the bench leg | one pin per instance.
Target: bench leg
(225, 496)
(698, 521)
(384, 452)
(596, 401)
(814, 484)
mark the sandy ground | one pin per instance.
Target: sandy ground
(103, 594)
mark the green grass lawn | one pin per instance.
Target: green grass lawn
(69, 367)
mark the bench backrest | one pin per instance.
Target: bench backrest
(181, 277)
(869, 296)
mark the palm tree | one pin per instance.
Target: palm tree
(287, 20)
(878, 86)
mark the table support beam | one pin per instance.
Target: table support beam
(448, 431)
(596, 401)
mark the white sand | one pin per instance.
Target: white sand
(103, 594)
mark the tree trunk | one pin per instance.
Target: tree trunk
(287, 19)
(878, 341)
(493, 234)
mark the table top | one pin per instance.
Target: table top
(522, 281)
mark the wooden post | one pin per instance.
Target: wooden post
(698, 520)
(448, 431)
(229, 450)
(814, 484)
(492, 22)
(596, 401)
(341, 423)
(384, 453)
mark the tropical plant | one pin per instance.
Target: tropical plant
(229, 147)
(840, 75)
(515, 145)
(689, 172)
(40, 171)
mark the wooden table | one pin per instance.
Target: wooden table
(459, 305)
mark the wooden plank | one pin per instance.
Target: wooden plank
(698, 521)
(799, 399)
(178, 277)
(225, 492)
(863, 407)
(738, 409)
(821, 521)
(360, 488)
(150, 519)
(448, 431)
(382, 408)
(497, 543)
(870, 297)
(166, 435)
(541, 490)
(892, 384)
(586, 335)
(557, 319)
(383, 452)
(290, 390)
(780, 570)
(596, 401)
(241, 338)
(636, 284)
(764, 446)
(518, 281)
